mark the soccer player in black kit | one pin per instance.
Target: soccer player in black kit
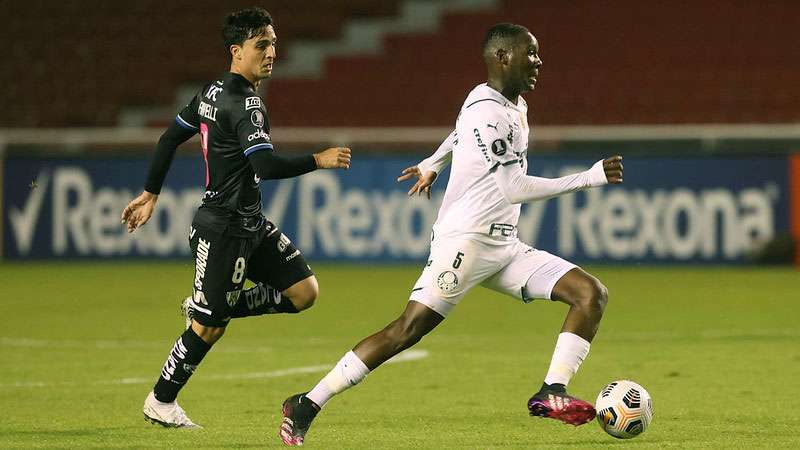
(230, 239)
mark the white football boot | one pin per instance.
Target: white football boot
(186, 311)
(168, 415)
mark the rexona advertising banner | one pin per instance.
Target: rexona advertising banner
(696, 210)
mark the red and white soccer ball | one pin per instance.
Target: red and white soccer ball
(624, 409)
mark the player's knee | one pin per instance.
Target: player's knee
(592, 294)
(304, 294)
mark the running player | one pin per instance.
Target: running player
(230, 239)
(475, 240)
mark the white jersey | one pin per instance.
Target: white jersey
(491, 132)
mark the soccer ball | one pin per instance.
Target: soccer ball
(624, 409)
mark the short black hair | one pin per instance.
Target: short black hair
(242, 25)
(500, 34)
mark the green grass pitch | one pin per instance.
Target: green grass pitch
(82, 343)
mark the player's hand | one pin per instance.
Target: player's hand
(424, 180)
(613, 168)
(139, 210)
(333, 158)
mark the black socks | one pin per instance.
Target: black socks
(183, 359)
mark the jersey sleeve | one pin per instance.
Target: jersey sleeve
(187, 118)
(441, 157)
(517, 187)
(485, 127)
(175, 135)
(250, 122)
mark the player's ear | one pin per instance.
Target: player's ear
(502, 56)
(236, 51)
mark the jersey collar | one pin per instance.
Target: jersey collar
(490, 92)
(235, 77)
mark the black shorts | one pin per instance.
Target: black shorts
(223, 259)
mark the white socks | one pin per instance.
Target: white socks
(570, 352)
(348, 372)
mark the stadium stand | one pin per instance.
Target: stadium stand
(724, 61)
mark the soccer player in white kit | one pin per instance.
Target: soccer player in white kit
(474, 239)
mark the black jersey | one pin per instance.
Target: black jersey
(233, 123)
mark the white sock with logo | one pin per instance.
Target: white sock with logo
(348, 372)
(570, 352)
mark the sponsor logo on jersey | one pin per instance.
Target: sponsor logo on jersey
(503, 229)
(232, 297)
(499, 147)
(447, 281)
(283, 242)
(252, 102)
(212, 92)
(481, 145)
(258, 134)
(203, 247)
(293, 255)
(257, 118)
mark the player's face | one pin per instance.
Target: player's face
(525, 63)
(258, 53)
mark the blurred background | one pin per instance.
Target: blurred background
(701, 97)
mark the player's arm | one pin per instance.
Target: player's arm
(140, 209)
(490, 133)
(248, 121)
(269, 166)
(429, 168)
(517, 187)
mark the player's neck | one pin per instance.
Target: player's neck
(506, 91)
(238, 71)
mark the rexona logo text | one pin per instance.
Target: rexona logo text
(85, 219)
(680, 223)
(357, 222)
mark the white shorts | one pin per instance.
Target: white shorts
(458, 264)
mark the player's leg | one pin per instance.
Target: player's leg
(220, 264)
(299, 410)
(453, 268)
(284, 280)
(538, 274)
(587, 298)
(414, 323)
(451, 271)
